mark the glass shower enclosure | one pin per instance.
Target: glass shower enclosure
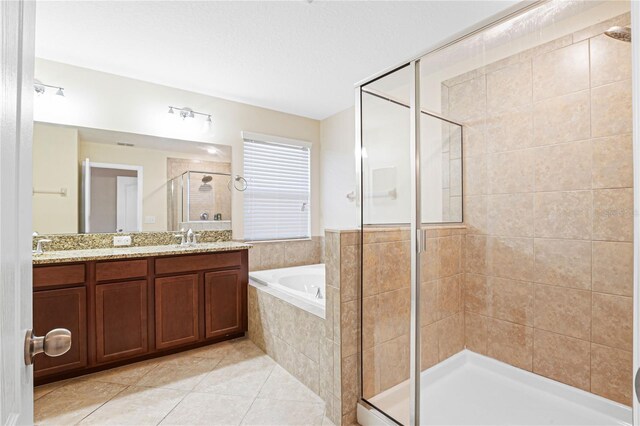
(517, 107)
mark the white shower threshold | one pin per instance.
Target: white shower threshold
(471, 389)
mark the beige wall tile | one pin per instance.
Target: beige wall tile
(509, 172)
(449, 293)
(561, 71)
(429, 305)
(394, 362)
(613, 162)
(510, 129)
(563, 214)
(475, 214)
(370, 269)
(430, 260)
(467, 100)
(611, 373)
(565, 263)
(476, 332)
(477, 295)
(510, 215)
(613, 268)
(349, 334)
(563, 167)
(475, 175)
(610, 60)
(474, 137)
(510, 343)
(349, 258)
(562, 358)
(450, 256)
(509, 87)
(546, 47)
(476, 254)
(370, 317)
(562, 119)
(370, 373)
(612, 321)
(613, 214)
(450, 336)
(429, 345)
(395, 265)
(511, 300)
(394, 311)
(563, 310)
(611, 109)
(510, 258)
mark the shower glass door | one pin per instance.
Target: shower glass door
(386, 208)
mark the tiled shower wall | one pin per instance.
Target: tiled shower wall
(386, 303)
(549, 209)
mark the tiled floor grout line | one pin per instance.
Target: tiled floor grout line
(101, 405)
(189, 392)
(259, 390)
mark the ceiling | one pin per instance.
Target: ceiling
(293, 56)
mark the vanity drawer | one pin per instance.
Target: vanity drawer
(121, 270)
(50, 276)
(197, 262)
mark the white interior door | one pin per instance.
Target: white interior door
(127, 204)
(17, 20)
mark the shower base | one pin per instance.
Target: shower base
(471, 389)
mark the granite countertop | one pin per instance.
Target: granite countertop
(64, 256)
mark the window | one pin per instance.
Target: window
(276, 201)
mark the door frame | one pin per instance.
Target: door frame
(17, 37)
(86, 191)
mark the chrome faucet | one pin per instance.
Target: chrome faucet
(39, 249)
(183, 238)
(188, 238)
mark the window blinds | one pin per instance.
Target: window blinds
(276, 201)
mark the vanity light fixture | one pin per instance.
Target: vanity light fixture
(186, 112)
(40, 88)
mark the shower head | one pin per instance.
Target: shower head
(207, 179)
(619, 33)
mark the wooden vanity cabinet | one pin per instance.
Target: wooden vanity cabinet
(61, 308)
(177, 310)
(126, 310)
(225, 303)
(121, 320)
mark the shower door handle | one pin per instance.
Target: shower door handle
(636, 384)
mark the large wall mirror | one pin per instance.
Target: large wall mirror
(91, 180)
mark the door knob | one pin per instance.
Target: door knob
(55, 343)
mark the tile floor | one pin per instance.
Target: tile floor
(229, 383)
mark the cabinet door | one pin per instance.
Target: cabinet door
(176, 301)
(224, 303)
(66, 308)
(121, 320)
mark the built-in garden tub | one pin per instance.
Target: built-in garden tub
(287, 318)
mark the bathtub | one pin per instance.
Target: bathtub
(302, 286)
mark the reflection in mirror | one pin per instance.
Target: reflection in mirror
(91, 180)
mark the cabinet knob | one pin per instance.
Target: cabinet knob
(55, 343)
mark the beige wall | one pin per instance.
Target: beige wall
(338, 179)
(55, 166)
(549, 207)
(106, 101)
(154, 164)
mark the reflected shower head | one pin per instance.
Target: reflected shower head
(207, 179)
(619, 33)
